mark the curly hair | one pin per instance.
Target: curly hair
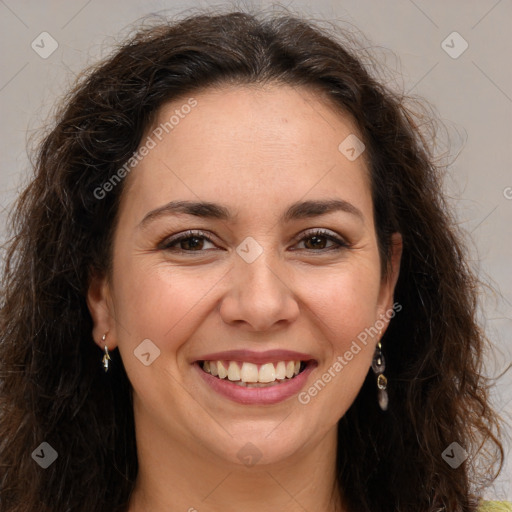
(52, 387)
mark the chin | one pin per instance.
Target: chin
(260, 442)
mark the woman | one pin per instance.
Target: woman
(234, 285)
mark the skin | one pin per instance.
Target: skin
(254, 150)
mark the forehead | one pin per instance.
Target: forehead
(271, 140)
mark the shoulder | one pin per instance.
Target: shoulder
(495, 506)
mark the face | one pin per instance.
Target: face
(279, 274)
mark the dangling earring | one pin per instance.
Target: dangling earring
(378, 367)
(106, 357)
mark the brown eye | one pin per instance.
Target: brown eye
(195, 242)
(191, 241)
(317, 240)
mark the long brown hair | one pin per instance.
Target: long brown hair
(52, 386)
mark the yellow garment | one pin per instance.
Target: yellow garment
(495, 506)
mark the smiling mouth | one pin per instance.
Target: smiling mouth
(253, 375)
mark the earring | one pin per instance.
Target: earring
(378, 367)
(106, 357)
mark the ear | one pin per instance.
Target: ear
(99, 302)
(387, 287)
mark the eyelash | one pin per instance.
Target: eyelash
(168, 244)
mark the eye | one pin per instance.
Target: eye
(316, 239)
(190, 241)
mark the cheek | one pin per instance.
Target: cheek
(161, 303)
(344, 299)
(166, 306)
(344, 306)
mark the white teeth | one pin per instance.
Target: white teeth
(223, 372)
(290, 369)
(249, 373)
(267, 373)
(233, 371)
(281, 370)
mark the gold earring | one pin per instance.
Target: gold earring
(378, 367)
(106, 357)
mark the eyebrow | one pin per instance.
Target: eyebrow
(208, 210)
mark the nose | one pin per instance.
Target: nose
(260, 295)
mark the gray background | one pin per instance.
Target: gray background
(472, 94)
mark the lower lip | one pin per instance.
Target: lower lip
(257, 396)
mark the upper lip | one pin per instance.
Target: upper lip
(251, 356)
